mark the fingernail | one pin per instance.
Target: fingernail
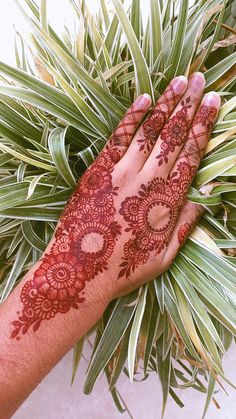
(143, 101)
(198, 80)
(180, 84)
(212, 99)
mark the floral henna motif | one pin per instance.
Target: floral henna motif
(157, 118)
(84, 242)
(151, 129)
(206, 116)
(183, 233)
(175, 132)
(201, 127)
(152, 215)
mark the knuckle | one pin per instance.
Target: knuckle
(122, 175)
(192, 152)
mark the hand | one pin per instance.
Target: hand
(128, 216)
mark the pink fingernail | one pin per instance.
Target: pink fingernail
(143, 101)
(180, 84)
(212, 99)
(198, 80)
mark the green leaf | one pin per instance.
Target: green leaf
(133, 340)
(210, 392)
(31, 236)
(155, 30)
(27, 159)
(178, 41)
(56, 143)
(78, 350)
(143, 80)
(217, 71)
(113, 333)
(16, 270)
(164, 369)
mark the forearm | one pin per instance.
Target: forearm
(27, 357)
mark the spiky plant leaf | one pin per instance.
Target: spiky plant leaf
(55, 116)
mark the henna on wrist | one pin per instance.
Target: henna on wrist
(84, 241)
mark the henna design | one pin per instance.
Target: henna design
(124, 132)
(152, 215)
(175, 132)
(157, 118)
(201, 127)
(183, 233)
(84, 242)
(151, 129)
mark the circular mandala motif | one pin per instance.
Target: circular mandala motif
(156, 218)
(69, 221)
(94, 181)
(44, 308)
(38, 306)
(94, 240)
(130, 209)
(57, 277)
(61, 245)
(102, 203)
(176, 131)
(85, 214)
(152, 216)
(108, 158)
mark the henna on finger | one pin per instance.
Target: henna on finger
(159, 115)
(124, 132)
(192, 153)
(188, 219)
(183, 232)
(154, 123)
(200, 130)
(175, 132)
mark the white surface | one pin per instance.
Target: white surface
(55, 399)
(11, 16)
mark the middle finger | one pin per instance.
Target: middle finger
(175, 132)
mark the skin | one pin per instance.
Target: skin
(123, 225)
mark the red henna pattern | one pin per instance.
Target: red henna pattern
(200, 128)
(152, 216)
(157, 118)
(58, 283)
(124, 132)
(151, 129)
(85, 240)
(183, 233)
(175, 132)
